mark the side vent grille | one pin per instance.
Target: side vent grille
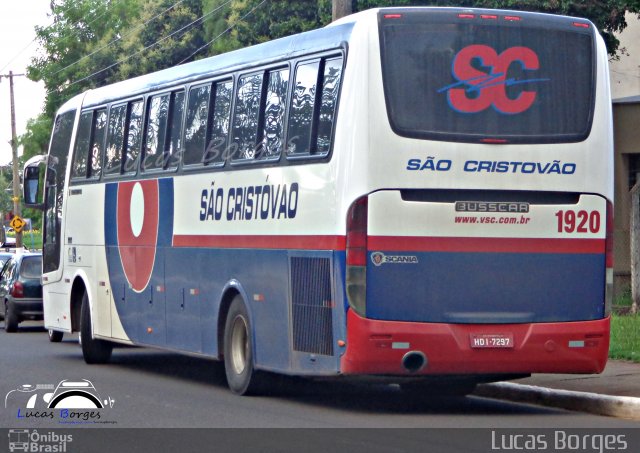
(312, 305)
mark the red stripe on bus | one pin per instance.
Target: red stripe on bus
(397, 243)
(486, 245)
(261, 242)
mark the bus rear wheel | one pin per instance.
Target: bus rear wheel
(242, 378)
(93, 350)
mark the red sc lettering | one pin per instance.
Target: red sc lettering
(490, 88)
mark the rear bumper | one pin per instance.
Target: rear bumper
(377, 347)
(27, 308)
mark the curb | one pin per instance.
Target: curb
(612, 406)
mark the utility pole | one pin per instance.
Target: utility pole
(341, 8)
(14, 150)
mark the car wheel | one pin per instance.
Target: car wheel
(93, 350)
(242, 378)
(10, 318)
(55, 336)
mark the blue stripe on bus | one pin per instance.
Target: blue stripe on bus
(179, 309)
(487, 288)
(165, 225)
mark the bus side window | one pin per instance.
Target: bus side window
(246, 116)
(302, 106)
(115, 139)
(134, 137)
(196, 125)
(273, 111)
(175, 129)
(157, 120)
(328, 103)
(81, 150)
(97, 143)
(217, 148)
(313, 107)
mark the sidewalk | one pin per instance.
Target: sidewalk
(615, 392)
(618, 379)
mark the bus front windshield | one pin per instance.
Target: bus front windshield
(455, 77)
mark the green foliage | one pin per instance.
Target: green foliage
(256, 21)
(625, 338)
(624, 299)
(79, 28)
(216, 27)
(6, 204)
(35, 140)
(32, 239)
(169, 32)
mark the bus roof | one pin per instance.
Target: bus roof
(272, 51)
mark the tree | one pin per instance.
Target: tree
(71, 49)
(168, 34)
(247, 22)
(6, 191)
(35, 140)
(216, 27)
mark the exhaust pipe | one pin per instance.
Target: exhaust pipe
(414, 361)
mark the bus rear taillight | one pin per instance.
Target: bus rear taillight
(608, 294)
(357, 232)
(357, 255)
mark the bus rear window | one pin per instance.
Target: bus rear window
(468, 79)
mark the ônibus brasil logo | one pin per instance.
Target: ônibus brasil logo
(38, 441)
(476, 91)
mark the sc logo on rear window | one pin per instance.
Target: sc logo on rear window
(476, 91)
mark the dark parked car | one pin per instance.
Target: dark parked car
(5, 255)
(21, 289)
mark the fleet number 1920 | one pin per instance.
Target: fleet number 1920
(578, 222)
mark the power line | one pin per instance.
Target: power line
(120, 37)
(17, 55)
(147, 47)
(223, 33)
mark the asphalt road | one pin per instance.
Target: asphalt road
(151, 388)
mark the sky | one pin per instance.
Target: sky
(17, 22)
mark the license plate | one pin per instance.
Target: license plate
(490, 340)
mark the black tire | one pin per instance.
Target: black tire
(55, 336)
(242, 378)
(10, 318)
(93, 350)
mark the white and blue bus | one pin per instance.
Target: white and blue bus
(416, 193)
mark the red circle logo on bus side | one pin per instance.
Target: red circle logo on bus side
(137, 224)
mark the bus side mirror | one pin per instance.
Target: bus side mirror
(33, 182)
